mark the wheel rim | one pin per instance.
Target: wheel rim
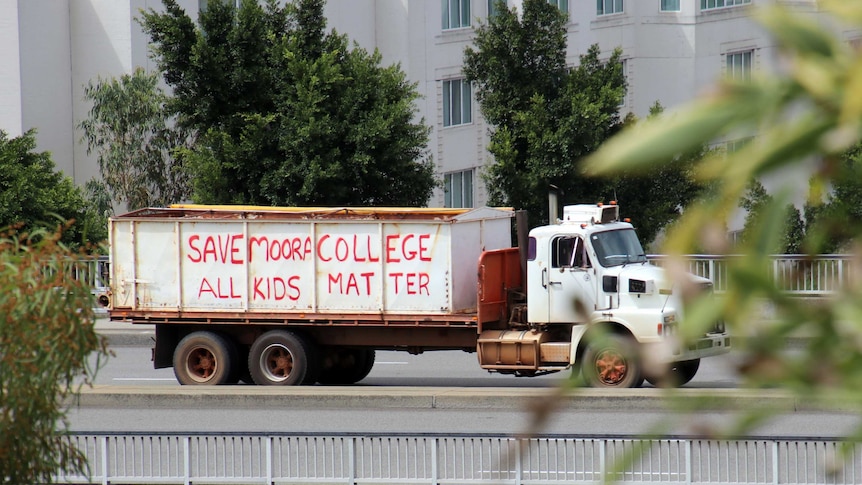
(611, 367)
(276, 361)
(201, 364)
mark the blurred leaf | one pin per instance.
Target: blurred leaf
(802, 36)
(662, 138)
(48, 348)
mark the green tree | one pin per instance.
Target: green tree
(655, 198)
(135, 141)
(756, 201)
(546, 117)
(811, 109)
(826, 213)
(289, 114)
(33, 195)
(48, 347)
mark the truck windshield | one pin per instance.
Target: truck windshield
(615, 248)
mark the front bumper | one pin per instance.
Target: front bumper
(707, 346)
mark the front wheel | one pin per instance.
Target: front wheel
(612, 361)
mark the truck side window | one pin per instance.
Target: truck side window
(581, 259)
(531, 249)
(562, 251)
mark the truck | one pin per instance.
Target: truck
(292, 295)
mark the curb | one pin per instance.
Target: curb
(128, 338)
(357, 397)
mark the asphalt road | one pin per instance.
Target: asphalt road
(442, 392)
(131, 366)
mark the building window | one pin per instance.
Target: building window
(605, 7)
(739, 66)
(670, 5)
(457, 106)
(738, 144)
(492, 8)
(563, 5)
(458, 187)
(710, 4)
(456, 14)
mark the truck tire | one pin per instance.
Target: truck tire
(279, 358)
(612, 361)
(678, 374)
(350, 366)
(203, 358)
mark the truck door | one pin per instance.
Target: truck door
(570, 279)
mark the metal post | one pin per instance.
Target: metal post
(269, 459)
(435, 449)
(187, 473)
(775, 462)
(351, 455)
(105, 467)
(688, 477)
(519, 469)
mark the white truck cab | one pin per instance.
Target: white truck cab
(590, 270)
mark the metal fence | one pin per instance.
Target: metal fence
(447, 459)
(794, 274)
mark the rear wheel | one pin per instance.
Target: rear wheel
(678, 374)
(203, 358)
(347, 366)
(279, 358)
(612, 361)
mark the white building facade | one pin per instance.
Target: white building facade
(673, 50)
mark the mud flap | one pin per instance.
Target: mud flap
(167, 337)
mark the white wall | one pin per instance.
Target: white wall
(49, 49)
(10, 69)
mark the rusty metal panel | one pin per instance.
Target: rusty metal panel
(156, 257)
(212, 267)
(122, 260)
(280, 261)
(237, 263)
(510, 349)
(417, 262)
(499, 272)
(556, 352)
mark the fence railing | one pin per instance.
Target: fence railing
(795, 274)
(95, 271)
(800, 275)
(451, 459)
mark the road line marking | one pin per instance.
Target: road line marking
(144, 379)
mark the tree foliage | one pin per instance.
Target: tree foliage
(810, 110)
(830, 207)
(33, 195)
(289, 114)
(47, 341)
(135, 141)
(655, 198)
(756, 201)
(546, 117)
